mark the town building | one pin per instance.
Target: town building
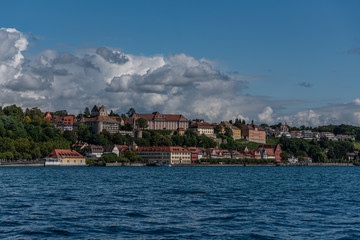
(254, 133)
(157, 121)
(164, 155)
(122, 149)
(236, 132)
(202, 128)
(100, 120)
(345, 137)
(328, 135)
(307, 134)
(270, 152)
(196, 153)
(64, 157)
(111, 149)
(93, 151)
(61, 122)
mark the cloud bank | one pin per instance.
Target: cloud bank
(178, 83)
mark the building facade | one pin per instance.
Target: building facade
(164, 155)
(254, 133)
(203, 128)
(272, 152)
(157, 121)
(100, 120)
(64, 157)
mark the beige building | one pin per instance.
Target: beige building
(64, 157)
(203, 128)
(164, 155)
(100, 120)
(157, 121)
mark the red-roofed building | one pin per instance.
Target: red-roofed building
(270, 152)
(164, 155)
(253, 154)
(196, 153)
(48, 116)
(100, 120)
(122, 149)
(64, 157)
(61, 122)
(157, 121)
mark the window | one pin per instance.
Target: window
(68, 160)
(74, 161)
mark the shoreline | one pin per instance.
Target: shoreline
(42, 164)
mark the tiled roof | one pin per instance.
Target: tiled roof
(57, 153)
(194, 149)
(122, 148)
(201, 125)
(157, 115)
(252, 127)
(94, 148)
(270, 149)
(97, 119)
(161, 149)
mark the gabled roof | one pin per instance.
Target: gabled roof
(157, 115)
(58, 153)
(109, 148)
(98, 119)
(161, 149)
(270, 149)
(122, 148)
(252, 127)
(94, 148)
(194, 149)
(201, 125)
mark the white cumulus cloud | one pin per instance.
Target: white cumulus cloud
(178, 83)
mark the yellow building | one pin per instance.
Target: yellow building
(164, 155)
(64, 157)
(236, 132)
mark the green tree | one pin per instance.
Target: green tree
(113, 114)
(83, 132)
(130, 112)
(131, 155)
(118, 138)
(141, 123)
(228, 132)
(87, 112)
(61, 113)
(217, 129)
(34, 112)
(14, 111)
(70, 136)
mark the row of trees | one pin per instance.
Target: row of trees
(336, 129)
(149, 138)
(27, 135)
(320, 151)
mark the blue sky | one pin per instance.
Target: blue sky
(288, 57)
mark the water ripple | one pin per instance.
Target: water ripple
(180, 203)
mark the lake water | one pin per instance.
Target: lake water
(180, 203)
